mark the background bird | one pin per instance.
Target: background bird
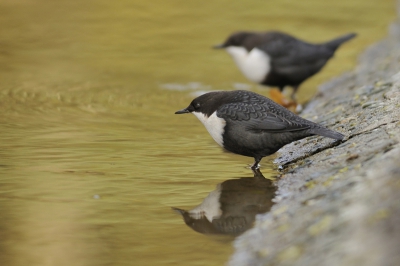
(278, 59)
(250, 124)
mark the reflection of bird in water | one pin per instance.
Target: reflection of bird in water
(231, 208)
(278, 59)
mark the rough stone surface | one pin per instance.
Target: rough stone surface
(339, 203)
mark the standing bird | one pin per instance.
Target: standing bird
(278, 59)
(250, 124)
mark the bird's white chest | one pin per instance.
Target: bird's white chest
(255, 65)
(210, 207)
(214, 125)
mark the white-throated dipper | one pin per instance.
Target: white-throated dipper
(250, 124)
(278, 59)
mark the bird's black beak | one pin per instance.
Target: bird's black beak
(219, 46)
(179, 211)
(183, 111)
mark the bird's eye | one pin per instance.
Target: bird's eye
(197, 106)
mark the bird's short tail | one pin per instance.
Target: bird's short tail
(321, 131)
(334, 44)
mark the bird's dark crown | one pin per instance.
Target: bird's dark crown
(245, 39)
(237, 39)
(249, 40)
(208, 103)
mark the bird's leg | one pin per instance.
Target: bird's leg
(293, 95)
(297, 107)
(257, 173)
(255, 165)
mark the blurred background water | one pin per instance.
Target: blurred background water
(92, 156)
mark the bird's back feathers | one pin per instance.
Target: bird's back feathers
(260, 114)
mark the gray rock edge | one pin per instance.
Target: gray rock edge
(339, 203)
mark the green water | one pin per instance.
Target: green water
(92, 156)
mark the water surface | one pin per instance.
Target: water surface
(92, 156)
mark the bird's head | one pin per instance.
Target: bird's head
(207, 103)
(236, 39)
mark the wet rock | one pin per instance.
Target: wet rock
(338, 203)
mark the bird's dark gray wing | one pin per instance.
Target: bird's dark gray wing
(258, 117)
(285, 49)
(290, 56)
(231, 224)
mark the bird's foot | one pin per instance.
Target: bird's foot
(252, 167)
(279, 98)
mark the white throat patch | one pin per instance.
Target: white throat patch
(214, 125)
(255, 64)
(210, 207)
